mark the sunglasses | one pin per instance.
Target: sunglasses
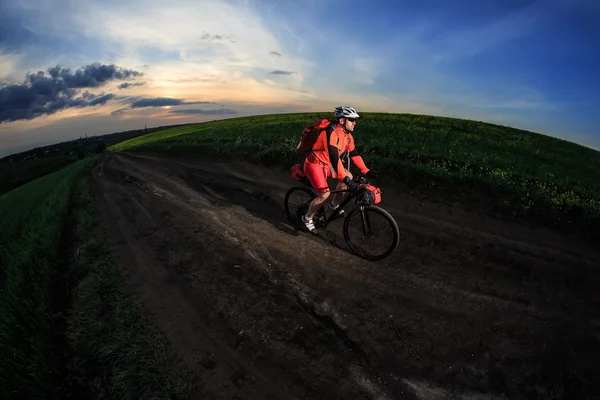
(351, 119)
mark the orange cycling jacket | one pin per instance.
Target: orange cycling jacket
(331, 146)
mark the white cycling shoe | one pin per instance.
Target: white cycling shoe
(308, 223)
(333, 208)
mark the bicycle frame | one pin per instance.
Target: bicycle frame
(343, 204)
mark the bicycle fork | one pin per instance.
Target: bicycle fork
(365, 222)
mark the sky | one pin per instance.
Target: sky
(70, 68)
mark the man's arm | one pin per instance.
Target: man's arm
(356, 157)
(334, 154)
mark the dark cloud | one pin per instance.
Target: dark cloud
(40, 94)
(279, 72)
(101, 99)
(217, 111)
(126, 85)
(164, 101)
(217, 38)
(275, 53)
(120, 111)
(129, 99)
(141, 102)
(93, 75)
(296, 90)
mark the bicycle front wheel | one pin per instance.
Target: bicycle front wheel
(371, 233)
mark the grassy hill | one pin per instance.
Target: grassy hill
(68, 324)
(525, 174)
(20, 168)
(15, 174)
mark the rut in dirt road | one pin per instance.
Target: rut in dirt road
(469, 306)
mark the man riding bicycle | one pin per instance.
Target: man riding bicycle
(325, 161)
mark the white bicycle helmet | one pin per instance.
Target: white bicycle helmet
(345, 112)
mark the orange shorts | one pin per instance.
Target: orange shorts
(317, 175)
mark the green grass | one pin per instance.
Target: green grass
(15, 174)
(110, 349)
(114, 351)
(30, 232)
(524, 174)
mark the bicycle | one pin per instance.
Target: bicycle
(360, 219)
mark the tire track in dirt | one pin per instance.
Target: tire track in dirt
(173, 296)
(468, 304)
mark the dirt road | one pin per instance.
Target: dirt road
(468, 307)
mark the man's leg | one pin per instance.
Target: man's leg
(338, 197)
(316, 203)
(317, 176)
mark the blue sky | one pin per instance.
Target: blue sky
(526, 64)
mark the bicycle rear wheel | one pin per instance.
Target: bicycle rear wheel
(296, 202)
(371, 233)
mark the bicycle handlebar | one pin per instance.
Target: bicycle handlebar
(363, 180)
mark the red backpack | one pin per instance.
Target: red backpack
(309, 135)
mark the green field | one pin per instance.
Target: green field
(523, 174)
(15, 174)
(63, 303)
(30, 236)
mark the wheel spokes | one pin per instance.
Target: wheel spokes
(370, 234)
